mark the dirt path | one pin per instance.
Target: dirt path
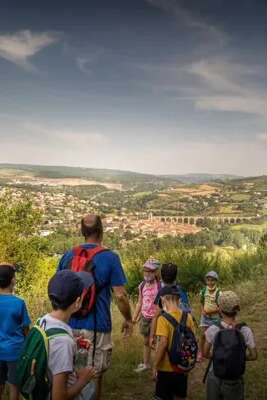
(121, 383)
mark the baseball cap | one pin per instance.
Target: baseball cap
(169, 290)
(66, 286)
(152, 264)
(212, 274)
(229, 301)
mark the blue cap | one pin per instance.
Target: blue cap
(66, 286)
(169, 290)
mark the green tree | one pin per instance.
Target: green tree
(20, 243)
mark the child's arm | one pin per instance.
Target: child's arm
(207, 350)
(60, 390)
(252, 354)
(161, 350)
(153, 327)
(138, 307)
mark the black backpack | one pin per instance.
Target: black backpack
(229, 353)
(183, 349)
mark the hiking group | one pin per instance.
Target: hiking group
(64, 355)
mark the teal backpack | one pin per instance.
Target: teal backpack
(33, 377)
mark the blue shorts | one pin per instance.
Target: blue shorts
(8, 372)
(206, 322)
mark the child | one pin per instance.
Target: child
(168, 278)
(209, 307)
(65, 293)
(14, 326)
(145, 308)
(228, 389)
(170, 384)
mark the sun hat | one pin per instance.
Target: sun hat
(229, 301)
(152, 264)
(212, 274)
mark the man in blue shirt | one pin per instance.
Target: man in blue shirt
(14, 326)
(108, 275)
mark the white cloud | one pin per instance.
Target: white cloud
(187, 18)
(64, 136)
(19, 47)
(229, 87)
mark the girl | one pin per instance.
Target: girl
(145, 309)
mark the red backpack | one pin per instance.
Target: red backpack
(83, 261)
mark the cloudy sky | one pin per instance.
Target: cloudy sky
(159, 86)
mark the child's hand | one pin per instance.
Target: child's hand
(86, 374)
(127, 328)
(154, 374)
(152, 342)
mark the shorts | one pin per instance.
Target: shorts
(103, 349)
(144, 326)
(218, 389)
(8, 372)
(206, 322)
(170, 384)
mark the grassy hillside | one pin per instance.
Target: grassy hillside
(121, 382)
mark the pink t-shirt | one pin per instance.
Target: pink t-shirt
(149, 293)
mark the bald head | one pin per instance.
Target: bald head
(91, 227)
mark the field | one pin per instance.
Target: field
(121, 382)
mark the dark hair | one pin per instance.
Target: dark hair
(233, 313)
(169, 273)
(56, 305)
(7, 273)
(91, 225)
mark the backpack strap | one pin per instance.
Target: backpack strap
(56, 332)
(141, 287)
(170, 319)
(87, 254)
(184, 319)
(202, 295)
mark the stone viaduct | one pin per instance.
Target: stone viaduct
(194, 220)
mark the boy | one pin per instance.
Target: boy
(170, 384)
(145, 308)
(14, 326)
(209, 307)
(222, 389)
(168, 278)
(65, 291)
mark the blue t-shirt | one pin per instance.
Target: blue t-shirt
(13, 319)
(108, 272)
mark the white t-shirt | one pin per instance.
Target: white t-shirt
(62, 349)
(61, 353)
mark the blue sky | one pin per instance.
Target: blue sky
(159, 86)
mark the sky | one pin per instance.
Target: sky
(155, 86)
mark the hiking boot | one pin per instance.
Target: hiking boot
(142, 367)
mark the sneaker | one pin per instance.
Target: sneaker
(141, 368)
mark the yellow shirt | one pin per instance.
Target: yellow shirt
(164, 328)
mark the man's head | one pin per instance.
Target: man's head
(7, 276)
(91, 227)
(212, 279)
(229, 303)
(169, 273)
(170, 297)
(65, 290)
